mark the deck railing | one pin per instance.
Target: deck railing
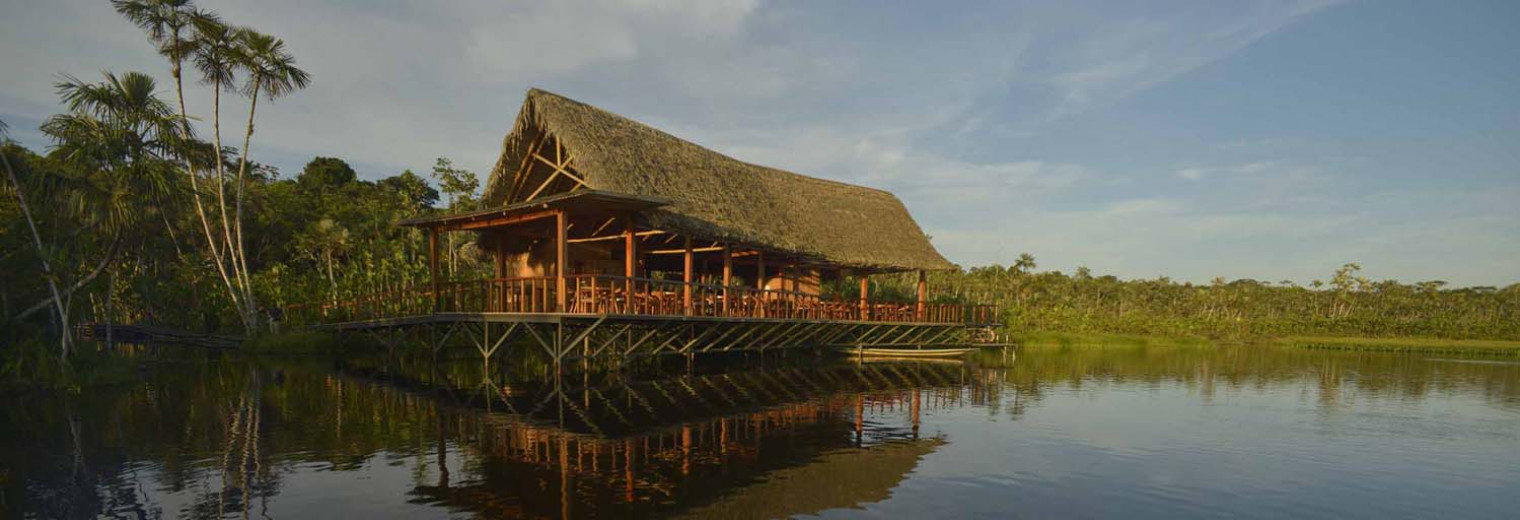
(608, 294)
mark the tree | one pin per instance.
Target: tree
(31, 224)
(325, 173)
(116, 132)
(415, 193)
(270, 71)
(1025, 264)
(167, 22)
(323, 240)
(459, 186)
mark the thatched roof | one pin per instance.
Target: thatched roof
(718, 197)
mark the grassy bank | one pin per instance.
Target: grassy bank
(1488, 347)
(1485, 347)
(1076, 339)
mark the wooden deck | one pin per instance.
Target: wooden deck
(623, 317)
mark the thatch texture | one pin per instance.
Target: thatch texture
(718, 197)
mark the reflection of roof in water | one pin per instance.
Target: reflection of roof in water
(840, 479)
(809, 453)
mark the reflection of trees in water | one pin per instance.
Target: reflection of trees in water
(226, 434)
(223, 434)
(1332, 376)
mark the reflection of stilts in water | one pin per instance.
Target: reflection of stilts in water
(628, 469)
(860, 418)
(443, 453)
(564, 478)
(676, 463)
(686, 449)
(916, 398)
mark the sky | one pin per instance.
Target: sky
(1272, 140)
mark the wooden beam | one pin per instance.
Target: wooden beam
(683, 250)
(560, 164)
(865, 297)
(923, 292)
(603, 226)
(630, 262)
(728, 276)
(506, 220)
(686, 288)
(560, 260)
(619, 235)
(499, 250)
(525, 169)
(561, 169)
(760, 270)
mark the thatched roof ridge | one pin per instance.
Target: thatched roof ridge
(719, 197)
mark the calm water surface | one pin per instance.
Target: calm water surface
(1100, 432)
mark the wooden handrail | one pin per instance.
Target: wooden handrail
(613, 294)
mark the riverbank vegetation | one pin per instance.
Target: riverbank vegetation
(140, 210)
(1345, 304)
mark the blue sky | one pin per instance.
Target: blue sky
(1272, 140)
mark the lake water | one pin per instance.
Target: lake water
(1074, 433)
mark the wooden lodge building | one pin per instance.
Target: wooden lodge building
(584, 208)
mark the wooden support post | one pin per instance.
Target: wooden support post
(865, 297)
(760, 281)
(686, 288)
(433, 267)
(560, 252)
(630, 262)
(923, 292)
(728, 274)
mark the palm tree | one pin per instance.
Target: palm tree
(217, 55)
(166, 22)
(271, 71)
(117, 131)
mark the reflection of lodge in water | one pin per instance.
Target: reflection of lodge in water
(756, 443)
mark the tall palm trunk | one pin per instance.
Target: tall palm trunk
(249, 313)
(195, 192)
(47, 270)
(242, 258)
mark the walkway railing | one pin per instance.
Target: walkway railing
(607, 294)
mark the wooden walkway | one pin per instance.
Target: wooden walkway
(154, 335)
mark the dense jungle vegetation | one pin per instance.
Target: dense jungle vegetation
(1347, 304)
(142, 210)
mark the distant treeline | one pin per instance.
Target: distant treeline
(1345, 304)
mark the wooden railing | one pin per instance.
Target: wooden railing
(607, 294)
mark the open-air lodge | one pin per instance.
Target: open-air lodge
(610, 237)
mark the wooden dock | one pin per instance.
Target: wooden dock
(155, 335)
